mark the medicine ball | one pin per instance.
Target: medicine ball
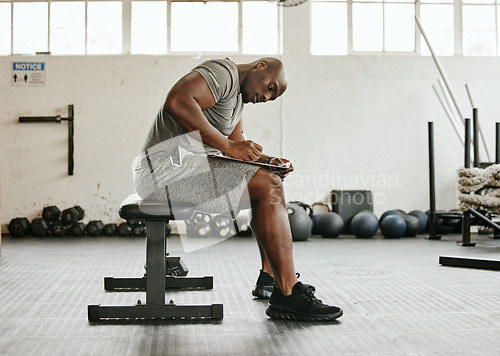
(315, 219)
(300, 222)
(422, 218)
(441, 228)
(330, 225)
(412, 225)
(364, 225)
(393, 226)
(390, 212)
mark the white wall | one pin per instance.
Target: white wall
(357, 122)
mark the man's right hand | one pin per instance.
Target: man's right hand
(245, 150)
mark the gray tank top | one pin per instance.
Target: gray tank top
(222, 78)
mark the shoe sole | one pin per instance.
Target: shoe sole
(262, 292)
(287, 314)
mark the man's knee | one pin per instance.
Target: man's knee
(265, 183)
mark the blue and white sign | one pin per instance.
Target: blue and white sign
(28, 74)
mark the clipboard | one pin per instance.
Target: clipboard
(274, 166)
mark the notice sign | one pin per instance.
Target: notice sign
(28, 74)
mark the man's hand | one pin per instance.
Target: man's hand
(282, 173)
(245, 150)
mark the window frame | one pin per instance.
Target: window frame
(127, 28)
(457, 18)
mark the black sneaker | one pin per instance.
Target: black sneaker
(300, 305)
(264, 286)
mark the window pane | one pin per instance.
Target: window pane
(367, 27)
(478, 1)
(437, 21)
(479, 30)
(329, 28)
(498, 32)
(260, 27)
(437, 1)
(399, 27)
(67, 27)
(104, 27)
(4, 29)
(149, 27)
(30, 27)
(211, 26)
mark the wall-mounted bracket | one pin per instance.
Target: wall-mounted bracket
(70, 119)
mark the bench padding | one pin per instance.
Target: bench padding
(134, 208)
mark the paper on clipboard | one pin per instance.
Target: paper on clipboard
(274, 166)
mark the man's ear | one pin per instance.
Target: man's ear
(261, 64)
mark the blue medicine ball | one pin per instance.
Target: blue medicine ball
(330, 225)
(422, 217)
(315, 219)
(390, 212)
(412, 225)
(364, 225)
(393, 226)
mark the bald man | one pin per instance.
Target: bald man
(207, 103)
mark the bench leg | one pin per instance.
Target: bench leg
(155, 284)
(155, 262)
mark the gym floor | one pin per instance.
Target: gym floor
(397, 299)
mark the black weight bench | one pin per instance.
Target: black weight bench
(157, 215)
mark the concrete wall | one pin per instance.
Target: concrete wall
(356, 122)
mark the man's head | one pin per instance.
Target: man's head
(265, 80)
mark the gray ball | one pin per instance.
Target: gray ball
(330, 225)
(364, 225)
(300, 222)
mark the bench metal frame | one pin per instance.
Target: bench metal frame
(155, 282)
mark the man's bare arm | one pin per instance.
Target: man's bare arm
(185, 104)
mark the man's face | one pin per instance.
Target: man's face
(263, 83)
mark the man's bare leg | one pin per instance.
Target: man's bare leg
(271, 227)
(266, 266)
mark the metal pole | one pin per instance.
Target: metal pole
(439, 67)
(71, 132)
(497, 142)
(467, 144)
(469, 93)
(466, 221)
(485, 220)
(448, 113)
(446, 96)
(475, 137)
(432, 188)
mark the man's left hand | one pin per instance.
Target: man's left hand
(282, 173)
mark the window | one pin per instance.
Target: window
(437, 18)
(480, 26)
(149, 27)
(5, 23)
(104, 27)
(329, 30)
(468, 27)
(260, 27)
(30, 27)
(76, 27)
(376, 26)
(67, 33)
(200, 27)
